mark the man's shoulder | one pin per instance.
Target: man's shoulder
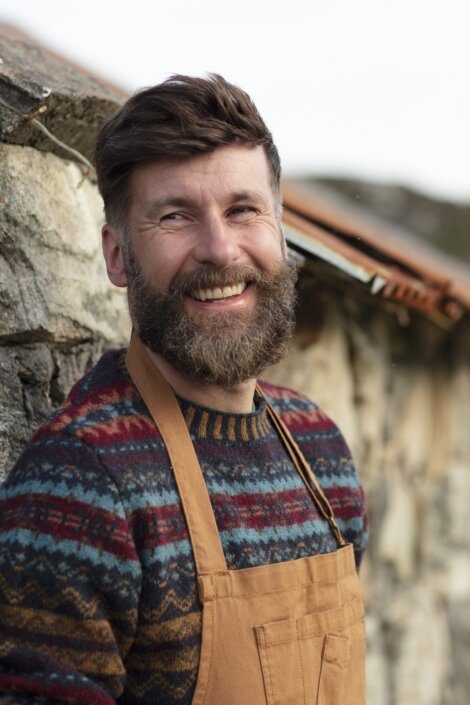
(278, 394)
(101, 411)
(94, 404)
(300, 414)
(288, 401)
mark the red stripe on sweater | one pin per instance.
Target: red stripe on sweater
(68, 519)
(260, 510)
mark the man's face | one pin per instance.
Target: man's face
(209, 287)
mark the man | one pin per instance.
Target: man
(163, 538)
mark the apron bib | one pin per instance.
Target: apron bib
(289, 633)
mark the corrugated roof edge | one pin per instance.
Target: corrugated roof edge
(392, 245)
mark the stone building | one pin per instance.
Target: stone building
(382, 345)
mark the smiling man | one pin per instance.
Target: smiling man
(179, 532)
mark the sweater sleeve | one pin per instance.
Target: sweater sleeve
(69, 578)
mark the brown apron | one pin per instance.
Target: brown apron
(289, 633)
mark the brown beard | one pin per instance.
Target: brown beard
(219, 349)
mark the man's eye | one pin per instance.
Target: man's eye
(242, 211)
(175, 220)
(172, 216)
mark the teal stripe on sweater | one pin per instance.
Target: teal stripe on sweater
(354, 524)
(282, 484)
(166, 552)
(317, 527)
(72, 491)
(98, 557)
(138, 500)
(271, 533)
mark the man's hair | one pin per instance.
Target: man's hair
(180, 117)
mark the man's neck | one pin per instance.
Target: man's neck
(233, 400)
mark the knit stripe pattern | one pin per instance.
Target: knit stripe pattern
(98, 590)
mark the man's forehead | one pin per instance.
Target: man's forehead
(235, 168)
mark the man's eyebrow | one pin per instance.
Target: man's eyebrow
(253, 196)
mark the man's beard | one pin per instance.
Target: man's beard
(216, 348)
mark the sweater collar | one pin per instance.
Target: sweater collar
(204, 422)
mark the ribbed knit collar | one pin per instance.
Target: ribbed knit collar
(204, 422)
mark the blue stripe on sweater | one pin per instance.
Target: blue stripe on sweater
(354, 524)
(74, 492)
(139, 500)
(252, 536)
(263, 486)
(98, 557)
(166, 552)
(320, 527)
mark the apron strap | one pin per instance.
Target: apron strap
(305, 471)
(166, 413)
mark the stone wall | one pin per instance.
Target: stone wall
(57, 310)
(402, 399)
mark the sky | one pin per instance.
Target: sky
(372, 89)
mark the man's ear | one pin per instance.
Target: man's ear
(112, 251)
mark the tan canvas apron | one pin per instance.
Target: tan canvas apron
(289, 633)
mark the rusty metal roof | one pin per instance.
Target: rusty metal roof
(390, 263)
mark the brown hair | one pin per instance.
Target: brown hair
(180, 117)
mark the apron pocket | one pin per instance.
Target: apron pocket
(306, 661)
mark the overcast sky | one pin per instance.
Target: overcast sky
(377, 89)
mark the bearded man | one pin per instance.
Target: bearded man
(178, 532)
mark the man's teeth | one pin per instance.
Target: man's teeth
(218, 293)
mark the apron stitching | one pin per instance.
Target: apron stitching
(270, 677)
(356, 618)
(283, 589)
(209, 669)
(301, 664)
(322, 668)
(310, 634)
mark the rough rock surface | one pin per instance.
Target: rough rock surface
(58, 310)
(76, 102)
(53, 283)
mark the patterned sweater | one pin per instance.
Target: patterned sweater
(98, 596)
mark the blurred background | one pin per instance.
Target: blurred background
(370, 89)
(369, 104)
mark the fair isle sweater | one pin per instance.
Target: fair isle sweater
(98, 591)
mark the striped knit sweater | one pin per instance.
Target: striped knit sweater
(98, 600)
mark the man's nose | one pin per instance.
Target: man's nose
(217, 243)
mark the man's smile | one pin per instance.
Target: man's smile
(217, 293)
(236, 297)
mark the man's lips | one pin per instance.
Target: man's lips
(225, 303)
(218, 293)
